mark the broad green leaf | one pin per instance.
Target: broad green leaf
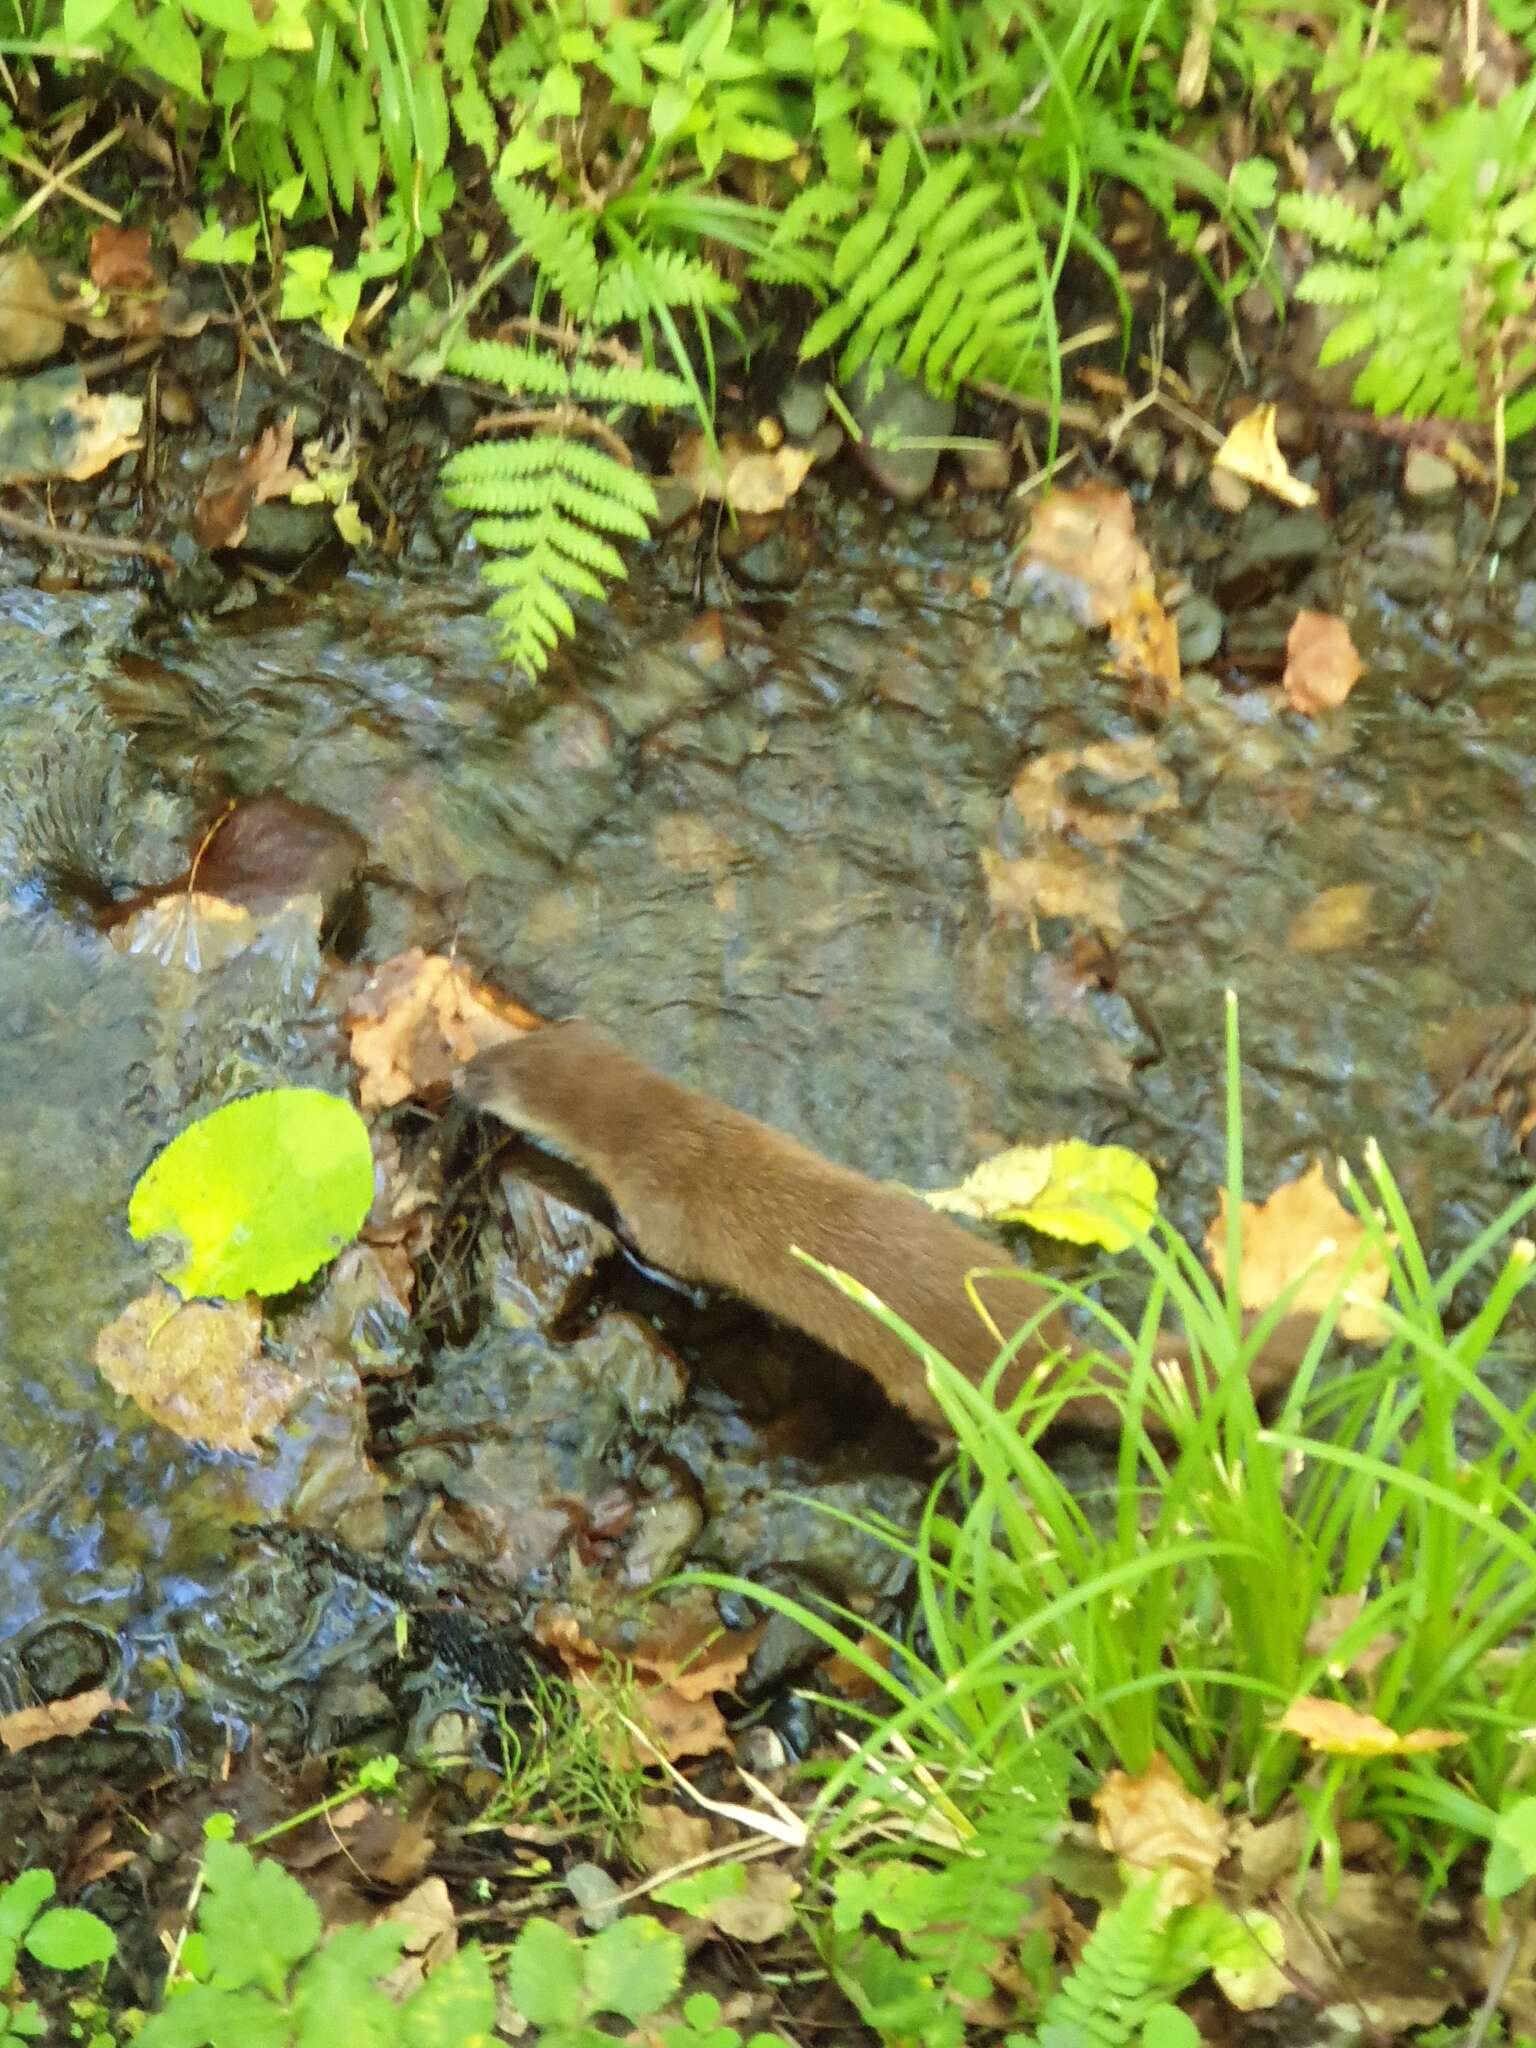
(21, 1900)
(544, 1975)
(66, 1938)
(258, 1920)
(454, 2008)
(633, 1967)
(895, 25)
(82, 18)
(704, 1888)
(1086, 1194)
(207, 2017)
(218, 244)
(261, 1193)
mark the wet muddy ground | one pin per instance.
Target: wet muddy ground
(752, 844)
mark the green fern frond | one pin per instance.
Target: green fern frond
(636, 284)
(544, 508)
(475, 117)
(1329, 221)
(928, 283)
(526, 371)
(1339, 284)
(1105, 2001)
(558, 239)
(462, 22)
(800, 249)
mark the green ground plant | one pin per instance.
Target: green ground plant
(1234, 1567)
(53, 1938)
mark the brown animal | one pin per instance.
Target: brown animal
(712, 1195)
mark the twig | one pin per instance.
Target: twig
(566, 416)
(70, 190)
(86, 543)
(58, 181)
(1502, 1970)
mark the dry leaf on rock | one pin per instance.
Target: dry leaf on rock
(741, 472)
(431, 1935)
(120, 259)
(197, 1368)
(31, 318)
(1083, 547)
(1334, 921)
(418, 1019)
(760, 1910)
(1302, 1225)
(668, 1835)
(197, 932)
(235, 484)
(1321, 664)
(1339, 1730)
(30, 1725)
(51, 426)
(682, 1662)
(1252, 451)
(1061, 884)
(1153, 1823)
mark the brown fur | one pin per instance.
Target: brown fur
(712, 1195)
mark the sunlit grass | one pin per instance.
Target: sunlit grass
(1345, 1548)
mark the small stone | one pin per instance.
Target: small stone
(901, 422)
(1201, 626)
(178, 408)
(1427, 475)
(1145, 450)
(803, 407)
(987, 465)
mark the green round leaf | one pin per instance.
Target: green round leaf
(260, 1194)
(65, 1938)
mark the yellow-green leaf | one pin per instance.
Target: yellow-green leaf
(1086, 1194)
(259, 1195)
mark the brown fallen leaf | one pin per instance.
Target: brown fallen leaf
(1059, 884)
(760, 1911)
(741, 472)
(1252, 451)
(677, 1668)
(1083, 547)
(1154, 1823)
(30, 1725)
(197, 1368)
(235, 484)
(32, 322)
(418, 1019)
(1304, 1221)
(668, 1835)
(1334, 921)
(1321, 664)
(1332, 1619)
(120, 259)
(431, 1935)
(1339, 1730)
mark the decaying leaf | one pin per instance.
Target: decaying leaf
(431, 1932)
(1321, 665)
(743, 472)
(51, 426)
(1153, 1823)
(30, 1725)
(1334, 921)
(1252, 451)
(677, 1670)
(1305, 1222)
(196, 932)
(746, 1901)
(1339, 1730)
(1332, 1620)
(32, 323)
(197, 1368)
(235, 484)
(1073, 807)
(1082, 1193)
(419, 1018)
(1083, 547)
(120, 259)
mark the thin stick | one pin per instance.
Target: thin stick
(86, 543)
(57, 182)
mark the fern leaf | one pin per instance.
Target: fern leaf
(634, 286)
(627, 384)
(519, 368)
(559, 241)
(545, 508)
(475, 117)
(462, 23)
(1339, 284)
(1329, 221)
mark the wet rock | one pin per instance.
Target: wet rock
(284, 533)
(1274, 559)
(1427, 475)
(1201, 625)
(988, 467)
(551, 1251)
(893, 414)
(803, 407)
(770, 553)
(1416, 561)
